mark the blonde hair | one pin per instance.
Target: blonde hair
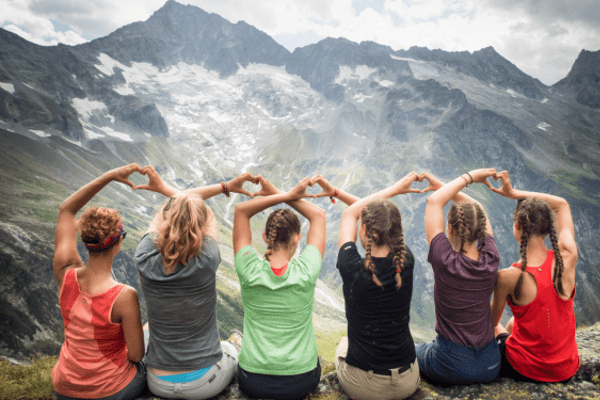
(180, 231)
(98, 223)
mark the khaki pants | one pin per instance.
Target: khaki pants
(365, 385)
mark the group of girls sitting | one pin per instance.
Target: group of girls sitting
(178, 258)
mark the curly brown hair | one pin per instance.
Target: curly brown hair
(280, 227)
(383, 222)
(97, 223)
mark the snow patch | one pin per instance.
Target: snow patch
(8, 87)
(542, 125)
(41, 133)
(361, 97)
(545, 100)
(386, 83)
(512, 93)
(94, 135)
(347, 73)
(85, 107)
(125, 90)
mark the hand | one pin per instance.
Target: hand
(403, 185)
(266, 187)
(506, 189)
(434, 183)
(122, 174)
(299, 191)
(481, 175)
(235, 185)
(328, 189)
(155, 183)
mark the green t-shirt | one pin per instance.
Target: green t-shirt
(278, 330)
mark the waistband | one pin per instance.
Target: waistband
(388, 372)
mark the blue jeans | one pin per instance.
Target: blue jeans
(445, 362)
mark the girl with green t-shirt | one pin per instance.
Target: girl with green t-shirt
(279, 357)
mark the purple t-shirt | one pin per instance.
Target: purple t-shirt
(462, 291)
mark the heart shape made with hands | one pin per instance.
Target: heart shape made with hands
(144, 180)
(424, 185)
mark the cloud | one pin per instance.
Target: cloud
(548, 11)
(18, 19)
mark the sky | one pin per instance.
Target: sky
(541, 37)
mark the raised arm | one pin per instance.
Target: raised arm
(65, 236)
(434, 213)
(156, 184)
(352, 213)
(330, 191)
(564, 225)
(270, 196)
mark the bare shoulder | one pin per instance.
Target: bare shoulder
(508, 276)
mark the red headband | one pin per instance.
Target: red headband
(107, 243)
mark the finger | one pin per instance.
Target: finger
(487, 183)
(145, 187)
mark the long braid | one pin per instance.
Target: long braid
(480, 232)
(559, 267)
(399, 256)
(461, 228)
(371, 237)
(523, 252)
(271, 236)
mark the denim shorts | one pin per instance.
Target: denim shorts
(447, 363)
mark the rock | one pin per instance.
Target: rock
(584, 385)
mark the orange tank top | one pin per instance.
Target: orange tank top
(93, 359)
(542, 344)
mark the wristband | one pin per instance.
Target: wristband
(335, 194)
(224, 187)
(466, 181)
(470, 177)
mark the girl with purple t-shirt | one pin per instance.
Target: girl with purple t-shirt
(465, 264)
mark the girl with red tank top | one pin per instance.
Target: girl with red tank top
(538, 343)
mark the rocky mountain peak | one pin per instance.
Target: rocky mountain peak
(584, 79)
(182, 33)
(485, 65)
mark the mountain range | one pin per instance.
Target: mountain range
(203, 99)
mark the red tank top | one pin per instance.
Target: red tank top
(542, 344)
(93, 359)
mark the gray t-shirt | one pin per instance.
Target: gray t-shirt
(181, 307)
(462, 291)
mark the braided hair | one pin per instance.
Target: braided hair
(535, 217)
(383, 225)
(469, 220)
(280, 227)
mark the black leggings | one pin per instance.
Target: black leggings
(285, 387)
